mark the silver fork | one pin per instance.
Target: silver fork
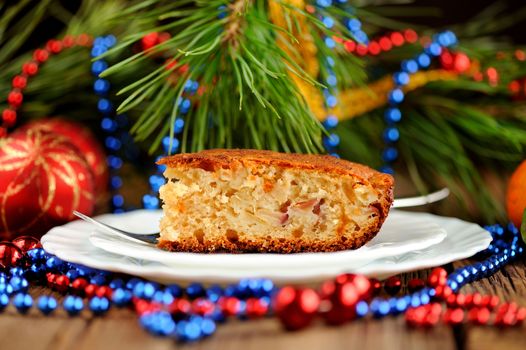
(153, 237)
(143, 237)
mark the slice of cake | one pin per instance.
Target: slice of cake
(264, 201)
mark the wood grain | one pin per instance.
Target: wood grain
(119, 329)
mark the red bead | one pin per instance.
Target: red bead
(451, 300)
(84, 40)
(416, 316)
(61, 283)
(256, 308)
(460, 300)
(104, 291)
(149, 40)
(68, 41)
(10, 255)
(479, 316)
(50, 278)
(3, 132)
(493, 76)
(475, 300)
(202, 306)
(349, 45)
(296, 308)
(415, 285)
(397, 39)
(163, 37)
(443, 292)
(454, 316)
(15, 98)
(392, 285)
(180, 307)
(385, 43)
(26, 243)
(30, 68)
(360, 282)
(521, 314)
(446, 60)
(361, 50)
(342, 303)
(54, 46)
(490, 301)
(229, 305)
(514, 87)
(144, 307)
(19, 82)
(438, 277)
(410, 36)
(9, 117)
(461, 62)
(376, 286)
(40, 55)
(374, 48)
(520, 55)
(90, 290)
(79, 285)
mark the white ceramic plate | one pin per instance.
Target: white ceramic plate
(71, 242)
(401, 233)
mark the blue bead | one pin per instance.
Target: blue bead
(396, 96)
(114, 162)
(163, 297)
(409, 66)
(99, 306)
(330, 61)
(98, 67)
(6, 289)
(214, 292)
(104, 105)
(150, 202)
(149, 290)
(354, 24)
(208, 327)
(195, 290)
(332, 101)
(175, 290)
(387, 170)
(116, 283)
(222, 13)
(4, 301)
(433, 49)
(333, 140)
(54, 263)
(73, 305)
(390, 154)
(391, 134)
(116, 182)
(380, 308)
(184, 105)
(19, 284)
(101, 86)
(331, 80)
(423, 60)
(99, 41)
(178, 125)
(110, 40)
(46, 304)
(453, 285)
(330, 43)
(117, 200)
(362, 308)
(23, 302)
(121, 297)
(166, 145)
(113, 143)
(267, 288)
(98, 50)
(424, 298)
(156, 181)
(392, 115)
(323, 3)
(188, 331)
(108, 125)
(401, 78)
(36, 255)
(331, 122)
(72, 274)
(218, 315)
(328, 22)
(132, 282)
(361, 37)
(98, 279)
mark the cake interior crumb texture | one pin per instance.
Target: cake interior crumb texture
(258, 201)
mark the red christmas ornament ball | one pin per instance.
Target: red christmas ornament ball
(43, 178)
(82, 138)
(296, 308)
(461, 62)
(10, 255)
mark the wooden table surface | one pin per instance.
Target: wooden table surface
(119, 329)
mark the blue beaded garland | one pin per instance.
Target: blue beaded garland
(47, 304)
(23, 302)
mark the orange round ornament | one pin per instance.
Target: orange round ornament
(516, 195)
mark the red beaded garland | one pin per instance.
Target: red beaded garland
(438, 277)
(90, 289)
(256, 308)
(10, 255)
(415, 285)
(79, 285)
(9, 117)
(61, 283)
(393, 285)
(19, 82)
(30, 68)
(26, 243)
(104, 291)
(180, 307)
(202, 306)
(15, 98)
(454, 316)
(296, 308)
